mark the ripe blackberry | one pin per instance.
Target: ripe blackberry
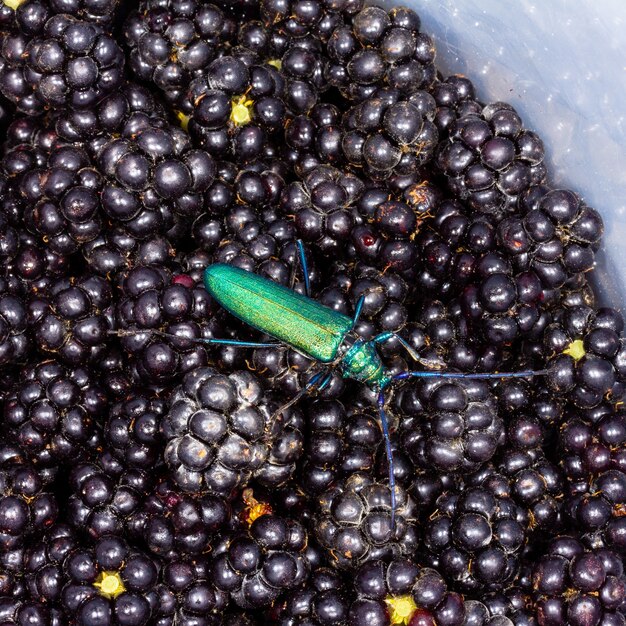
(554, 233)
(403, 592)
(256, 565)
(132, 430)
(586, 356)
(380, 48)
(27, 504)
(460, 427)
(577, 586)
(32, 15)
(388, 134)
(15, 343)
(592, 441)
(338, 443)
(475, 538)
(455, 97)
(109, 583)
(353, 522)
(322, 206)
(170, 44)
(153, 300)
(218, 436)
(596, 508)
(186, 594)
(172, 525)
(70, 62)
(72, 319)
(235, 109)
(104, 495)
(52, 411)
(43, 563)
(490, 159)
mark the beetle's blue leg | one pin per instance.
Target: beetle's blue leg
(314, 382)
(430, 363)
(357, 310)
(305, 267)
(392, 479)
(216, 342)
(480, 375)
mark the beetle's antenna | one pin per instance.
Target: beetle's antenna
(357, 310)
(305, 267)
(216, 342)
(392, 479)
(473, 376)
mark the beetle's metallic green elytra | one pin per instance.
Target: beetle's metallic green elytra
(300, 322)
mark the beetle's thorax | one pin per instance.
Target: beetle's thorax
(361, 362)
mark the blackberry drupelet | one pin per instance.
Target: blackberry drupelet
(353, 522)
(174, 525)
(171, 43)
(218, 434)
(15, 342)
(109, 583)
(380, 48)
(53, 412)
(578, 586)
(66, 62)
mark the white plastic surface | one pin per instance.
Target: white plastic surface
(562, 65)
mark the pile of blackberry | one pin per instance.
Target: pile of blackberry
(151, 477)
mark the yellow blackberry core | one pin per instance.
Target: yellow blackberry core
(576, 350)
(241, 111)
(109, 584)
(401, 608)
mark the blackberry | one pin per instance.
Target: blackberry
(388, 134)
(455, 96)
(32, 15)
(256, 565)
(462, 429)
(596, 508)
(170, 44)
(27, 504)
(380, 48)
(68, 63)
(577, 586)
(153, 301)
(53, 412)
(15, 343)
(490, 159)
(186, 594)
(173, 525)
(322, 206)
(585, 353)
(43, 563)
(403, 592)
(218, 434)
(104, 495)
(475, 538)
(234, 110)
(132, 430)
(71, 321)
(338, 443)
(354, 522)
(110, 583)
(321, 601)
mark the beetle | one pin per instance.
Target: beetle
(319, 333)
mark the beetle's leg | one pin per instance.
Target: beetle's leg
(473, 376)
(357, 310)
(305, 267)
(432, 364)
(320, 380)
(216, 342)
(392, 479)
